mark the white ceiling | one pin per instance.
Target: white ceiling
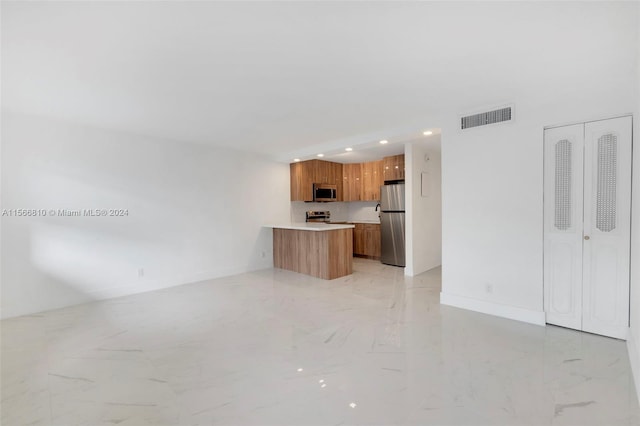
(284, 79)
(374, 151)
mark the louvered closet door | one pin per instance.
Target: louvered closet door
(587, 224)
(563, 150)
(607, 225)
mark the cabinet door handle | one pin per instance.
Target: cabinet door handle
(587, 238)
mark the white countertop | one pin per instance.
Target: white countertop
(313, 226)
(348, 222)
(375, 222)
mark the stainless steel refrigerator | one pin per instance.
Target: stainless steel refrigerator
(392, 224)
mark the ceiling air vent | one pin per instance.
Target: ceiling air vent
(484, 118)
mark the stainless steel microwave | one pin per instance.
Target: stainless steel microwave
(324, 192)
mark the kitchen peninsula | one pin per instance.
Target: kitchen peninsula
(317, 249)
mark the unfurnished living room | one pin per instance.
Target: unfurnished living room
(319, 213)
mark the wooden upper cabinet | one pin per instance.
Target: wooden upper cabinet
(297, 187)
(301, 175)
(305, 173)
(352, 182)
(372, 180)
(336, 177)
(321, 171)
(393, 167)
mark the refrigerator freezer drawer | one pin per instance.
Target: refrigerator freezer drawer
(392, 234)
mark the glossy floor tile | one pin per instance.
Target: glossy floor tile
(278, 348)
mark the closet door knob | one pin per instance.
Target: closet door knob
(587, 238)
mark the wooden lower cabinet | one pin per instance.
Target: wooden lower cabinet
(322, 254)
(366, 240)
(358, 240)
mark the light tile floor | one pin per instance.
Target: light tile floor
(278, 348)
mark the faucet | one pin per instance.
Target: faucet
(377, 205)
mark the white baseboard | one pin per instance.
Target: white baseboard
(499, 310)
(634, 360)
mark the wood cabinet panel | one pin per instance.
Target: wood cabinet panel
(372, 179)
(299, 190)
(393, 167)
(299, 176)
(336, 178)
(322, 254)
(372, 240)
(320, 171)
(352, 182)
(366, 240)
(358, 239)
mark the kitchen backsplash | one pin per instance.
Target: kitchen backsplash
(363, 211)
(340, 211)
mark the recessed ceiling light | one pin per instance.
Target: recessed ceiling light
(352, 405)
(320, 155)
(348, 149)
(296, 159)
(427, 133)
(384, 141)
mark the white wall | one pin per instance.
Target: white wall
(634, 335)
(424, 213)
(492, 176)
(195, 212)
